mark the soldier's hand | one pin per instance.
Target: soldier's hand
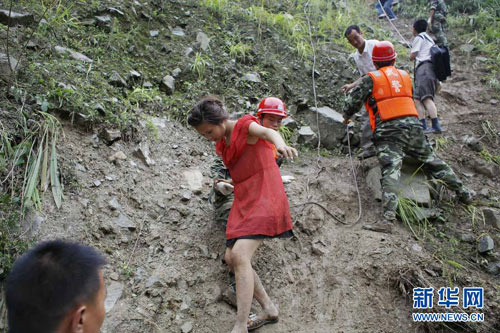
(224, 187)
(347, 121)
(346, 87)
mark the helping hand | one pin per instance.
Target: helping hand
(287, 152)
(224, 188)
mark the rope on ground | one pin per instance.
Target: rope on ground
(319, 134)
(354, 177)
(323, 207)
(313, 80)
(390, 22)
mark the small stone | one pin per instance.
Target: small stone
(80, 167)
(416, 248)
(142, 152)
(110, 135)
(203, 40)
(97, 183)
(187, 327)
(186, 196)
(154, 33)
(116, 80)
(178, 31)
(167, 84)
(123, 221)
(114, 276)
(307, 136)
(493, 101)
(188, 51)
(114, 292)
(73, 54)
(176, 72)
(486, 244)
(319, 248)
(493, 268)
(147, 85)
(492, 217)
(115, 12)
(468, 238)
(252, 77)
(114, 204)
(15, 18)
(119, 155)
(7, 69)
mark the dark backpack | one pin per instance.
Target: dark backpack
(440, 58)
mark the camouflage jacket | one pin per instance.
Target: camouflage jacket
(357, 97)
(439, 8)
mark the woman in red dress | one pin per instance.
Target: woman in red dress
(260, 209)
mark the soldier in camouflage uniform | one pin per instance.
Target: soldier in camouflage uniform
(222, 203)
(396, 138)
(437, 21)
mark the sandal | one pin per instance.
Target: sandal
(254, 322)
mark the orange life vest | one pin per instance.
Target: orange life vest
(391, 95)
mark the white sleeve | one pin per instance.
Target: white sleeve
(416, 44)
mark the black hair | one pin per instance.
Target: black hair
(420, 25)
(210, 109)
(381, 64)
(49, 281)
(350, 29)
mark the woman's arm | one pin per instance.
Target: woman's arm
(272, 136)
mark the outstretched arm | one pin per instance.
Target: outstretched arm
(273, 137)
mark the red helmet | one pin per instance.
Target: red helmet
(383, 51)
(272, 105)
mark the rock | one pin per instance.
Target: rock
(123, 221)
(467, 48)
(32, 45)
(485, 244)
(133, 76)
(73, 54)
(80, 167)
(104, 20)
(194, 179)
(167, 85)
(472, 142)
(187, 327)
(116, 80)
(154, 33)
(114, 204)
(186, 196)
(15, 18)
(142, 152)
(252, 77)
(114, 276)
(31, 223)
(115, 11)
(97, 183)
(203, 40)
(188, 51)
(468, 238)
(481, 59)
(178, 31)
(307, 136)
(114, 292)
(416, 248)
(290, 123)
(154, 282)
(492, 217)
(6, 69)
(493, 101)
(147, 85)
(319, 248)
(331, 125)
(488, 169)
(176, 72)
(493, 268)
(119, 155)
(410, 186)
(110, 136)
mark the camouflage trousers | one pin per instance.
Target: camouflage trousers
(438, 29)
(222, 205)
(402, 137)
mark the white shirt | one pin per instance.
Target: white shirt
(364, 60)
(422, 44)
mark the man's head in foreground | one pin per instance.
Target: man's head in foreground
(57, 286)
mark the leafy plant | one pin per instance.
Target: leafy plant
(239, 50)
(285, 133)
(413, 216)
(200, 64)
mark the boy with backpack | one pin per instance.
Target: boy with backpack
(425, 78)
